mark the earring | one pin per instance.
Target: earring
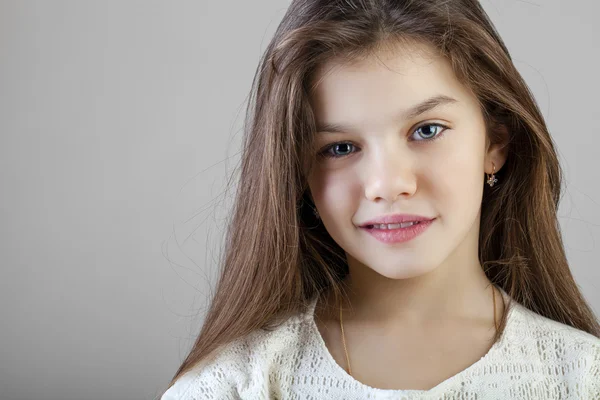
(316, 212)
(491, 178)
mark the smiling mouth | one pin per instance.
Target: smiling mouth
(397, 233)
(392, 226)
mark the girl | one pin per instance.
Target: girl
(395, 233)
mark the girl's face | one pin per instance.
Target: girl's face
(401, 138)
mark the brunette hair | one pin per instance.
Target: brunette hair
(277, 255)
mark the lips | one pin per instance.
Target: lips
(393, 226)
(399, 235)
(395, 219)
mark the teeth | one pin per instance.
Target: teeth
(394, 226)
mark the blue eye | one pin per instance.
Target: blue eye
(427, 134)
(431, 133)
(327, 151)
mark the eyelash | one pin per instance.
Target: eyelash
(326, 154)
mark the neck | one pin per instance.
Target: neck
(456, 290)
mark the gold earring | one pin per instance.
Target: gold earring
(491, 178)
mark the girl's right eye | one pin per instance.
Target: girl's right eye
(344, 146)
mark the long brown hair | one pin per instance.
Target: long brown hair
(277, 255)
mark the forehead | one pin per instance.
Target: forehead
(384, 82)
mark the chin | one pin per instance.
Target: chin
(404, 271)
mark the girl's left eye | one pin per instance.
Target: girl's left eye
(428, 134)
(431, 132)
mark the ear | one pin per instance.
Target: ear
(497, 149)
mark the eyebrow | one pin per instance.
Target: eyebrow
(411, 113)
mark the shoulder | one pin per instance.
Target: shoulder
(241, 368)
(545, 330)
(217, 378)
(574, 353)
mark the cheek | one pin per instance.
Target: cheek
(460, 179)
(335, 192)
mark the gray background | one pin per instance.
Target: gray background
(120, 121)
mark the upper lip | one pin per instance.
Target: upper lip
(395, 219)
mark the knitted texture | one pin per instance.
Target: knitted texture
(535, 358)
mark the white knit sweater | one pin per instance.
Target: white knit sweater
(535, 358)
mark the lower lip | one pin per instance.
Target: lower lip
(399, 235)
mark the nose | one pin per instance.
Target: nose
(390, 174)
